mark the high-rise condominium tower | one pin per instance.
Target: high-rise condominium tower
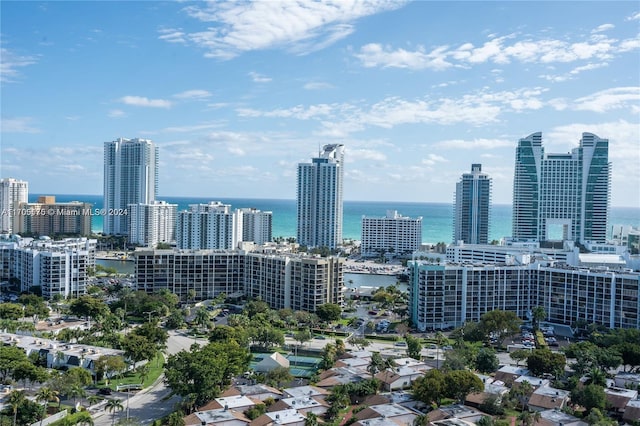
(472, 207)
(130, 177)
(12, 193)
(562, 196)
(319, 198)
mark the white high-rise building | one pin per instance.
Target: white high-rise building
(12, 193)
(394, 234)
(58, 267)
(130, 177)
(472, 207)
(257, 226)
(319, 196)
(562, 196)
(153, 223)
(209, 226)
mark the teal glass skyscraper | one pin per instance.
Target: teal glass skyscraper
(319, 199)
(472, 207)
(561, 196)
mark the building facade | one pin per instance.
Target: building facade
(394, 234)
(472, 207)
(449, 295)
(209, 226)
(562, 196)
(283, 281)
(153, 223)
(47, 217)
(130, 177)
(257, 226)
(13, 192)
(59, 267)
(319, 199)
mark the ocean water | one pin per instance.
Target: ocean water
(437, 218)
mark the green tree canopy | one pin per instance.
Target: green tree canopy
(90, 307)
(499, 324)
(11, 311)
(414, 347)
(430, 388)
(138, 348)
(329, 312)
(460, 383)
(487, 361)
(206, 371)
(590, 397)
(543, 361)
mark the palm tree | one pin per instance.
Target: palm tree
(311, 419)
(143, 371)
(597, 377)
(15, 400)
(440, 340)
(376, 365)
(93, 399)
(46, 394)
(112, 406)
(538, 315)
(202, 317)
(76, 391)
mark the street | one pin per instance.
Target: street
(151, 403)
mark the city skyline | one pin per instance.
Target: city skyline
(235, 95)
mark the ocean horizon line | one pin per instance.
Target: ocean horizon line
(292, 199)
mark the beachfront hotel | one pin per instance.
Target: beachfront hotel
(394, 234)
(319, 199)
(448, 295)
(298, 282)
(12, 193)
(472, 207)
(561, 196)
(130, 177)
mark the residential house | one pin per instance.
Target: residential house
(546, 398)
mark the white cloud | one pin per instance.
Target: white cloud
(364, 154)
(142, 101)
(499, 50)
(606, 100)
(259, 78)
(18, 125)
(10, 64)
(571, 74)
(116, 113)
(191, 128)
(317, 85)
(433, 159)
(300, 112)
(172, 35)
(633, 17)
(298, 26)
(193, 94)
(475, 144)
(603, 27)
(375, 55)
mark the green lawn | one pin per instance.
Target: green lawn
(131, 378)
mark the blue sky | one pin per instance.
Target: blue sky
(236, 94)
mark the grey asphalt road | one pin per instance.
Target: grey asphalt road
(151, 403)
